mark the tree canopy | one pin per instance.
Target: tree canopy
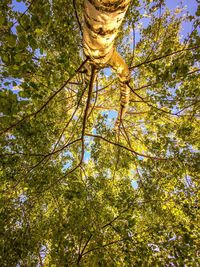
(74, 190)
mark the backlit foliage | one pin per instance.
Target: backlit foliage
(74, 191)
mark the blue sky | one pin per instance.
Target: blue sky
(190, 6)
(19, 6)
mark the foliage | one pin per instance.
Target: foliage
(73, 190)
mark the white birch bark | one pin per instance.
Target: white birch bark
(102, 19)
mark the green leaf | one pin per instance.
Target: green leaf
(11, 39)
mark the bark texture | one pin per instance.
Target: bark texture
(102, 19)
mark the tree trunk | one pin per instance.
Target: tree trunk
(102, 19)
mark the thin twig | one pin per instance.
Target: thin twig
(166, 55)
(46, 103)
(21, 16)
(133, 52)
(105, 245)
(160, 109)
(172, 80)
(82, 252)
(95, 100)
(124, 147)
(77, 18)
(67, 124)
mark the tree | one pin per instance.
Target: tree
(74, 190)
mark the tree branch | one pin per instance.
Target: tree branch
(166, 55)
(46, 103)
(21, 16)
(124, 147)
(77, 18)
(105, 245)
(82, 252)
(160, 109)
(87, 108)
(174, 79)
(67, 124)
